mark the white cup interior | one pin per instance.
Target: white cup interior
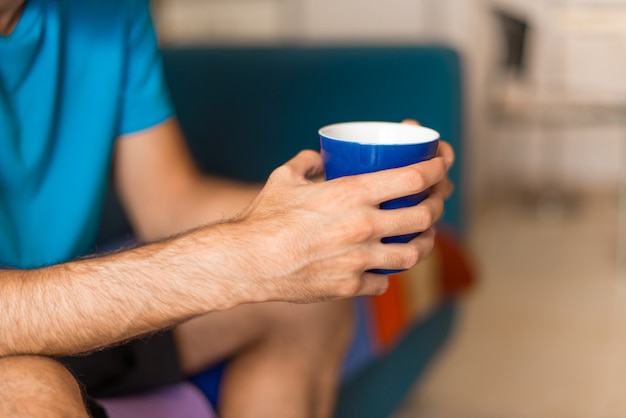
(379, 133)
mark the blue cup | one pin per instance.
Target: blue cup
(352, 148)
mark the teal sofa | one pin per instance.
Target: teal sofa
(246, 110)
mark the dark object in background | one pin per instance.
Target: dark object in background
(515, 31)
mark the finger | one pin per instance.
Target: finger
(385, 185)
(305, 165)
(373, 284)
(425, 242)
(444, 187)
(445, 151)
(444, 148)
(409, 220)
(401, 256)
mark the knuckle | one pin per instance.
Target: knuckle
(359, 231)
(341, 194)
(355, 189)
(412, 257)
(352, 267)
(343, 191)
(364, 232)
(282, 172)
(350, 287)
(408, 257)
(416, 181)
(424, 218)
(402, 259)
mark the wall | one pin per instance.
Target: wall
(575, 83)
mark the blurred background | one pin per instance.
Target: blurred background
(543, 333)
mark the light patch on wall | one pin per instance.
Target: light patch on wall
(203, 21)
(371, 21)
(593, 39)
(594, 17)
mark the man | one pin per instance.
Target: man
(81, 92)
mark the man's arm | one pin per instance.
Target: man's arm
(162, 190)
(298, 241)
(84, 305)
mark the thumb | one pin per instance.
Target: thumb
(307, 164)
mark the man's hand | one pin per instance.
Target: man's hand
(312, 241)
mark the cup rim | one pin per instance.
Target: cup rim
(430, 135)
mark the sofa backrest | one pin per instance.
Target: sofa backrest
(246, 110)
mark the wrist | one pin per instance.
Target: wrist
(229, 269)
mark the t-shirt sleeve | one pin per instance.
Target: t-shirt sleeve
(145, 100)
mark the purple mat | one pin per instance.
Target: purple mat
(182, 400)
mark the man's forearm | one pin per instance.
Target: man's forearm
(84, 305)
(204, 201)
(207, 200)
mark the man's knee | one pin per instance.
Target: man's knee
(336, 320)
(325, 326)
(38, 386)
(335, 331)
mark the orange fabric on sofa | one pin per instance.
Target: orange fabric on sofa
(447, 272)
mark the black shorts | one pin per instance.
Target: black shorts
(134, 367)
(93, 408)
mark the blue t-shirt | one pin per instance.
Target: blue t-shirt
(74, 76)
